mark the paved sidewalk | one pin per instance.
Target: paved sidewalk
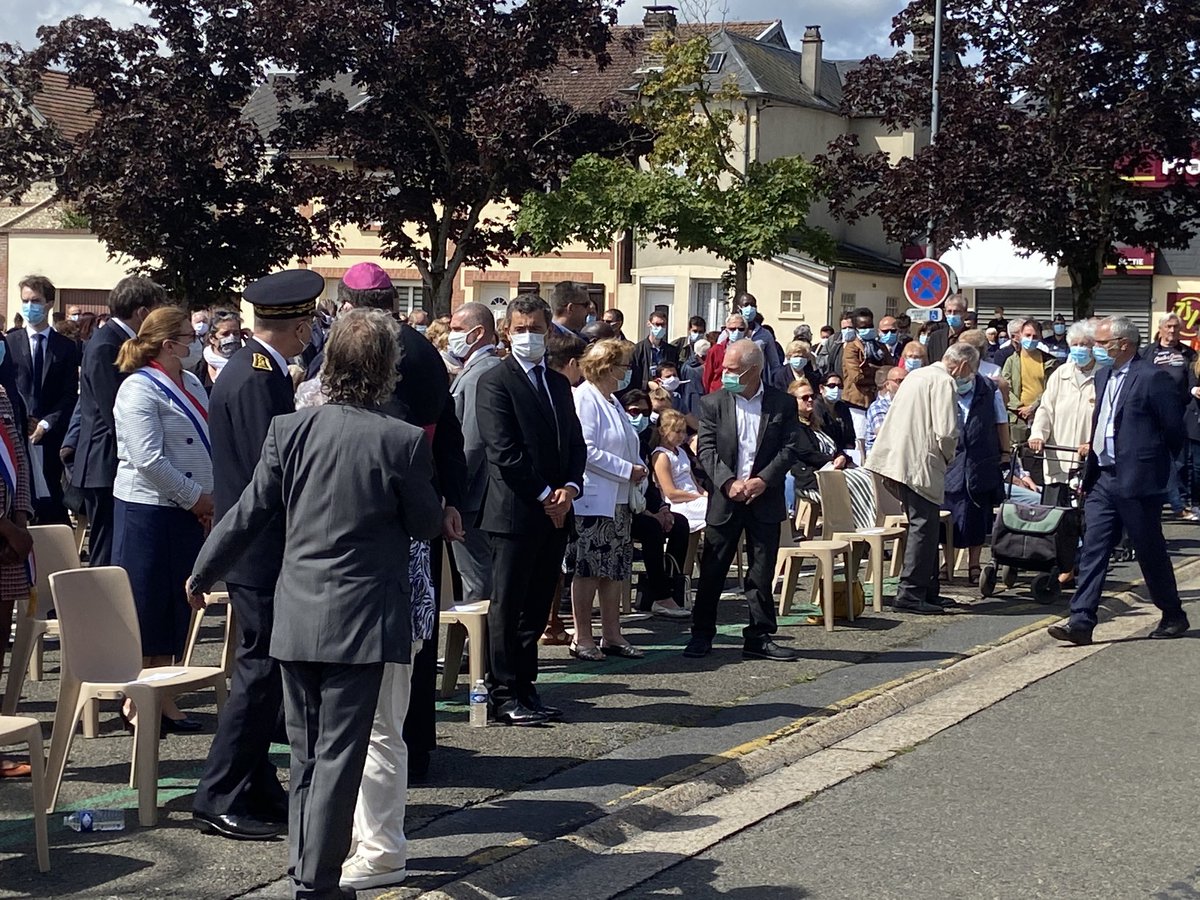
(630, 724)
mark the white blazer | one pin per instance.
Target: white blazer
(612, 452)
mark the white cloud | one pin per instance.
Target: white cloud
(19, 24)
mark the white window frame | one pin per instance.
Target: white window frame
(785, 312)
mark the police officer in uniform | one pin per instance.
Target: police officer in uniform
(239, 795)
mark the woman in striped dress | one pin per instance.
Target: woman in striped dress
(163, 491)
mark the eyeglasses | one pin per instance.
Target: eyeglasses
(887, 330)
(805, 398)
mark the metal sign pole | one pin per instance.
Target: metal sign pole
(935, 116)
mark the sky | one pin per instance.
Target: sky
(851, 28)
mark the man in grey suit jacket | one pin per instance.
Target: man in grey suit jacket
(354, 486)
(473, 340)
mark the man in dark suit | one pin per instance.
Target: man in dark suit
(943, 334)
(95, 466)
(1137, 431)
(749, 440)
(651, 352)
(353, 487)
(536, 456)
(239, 795)
(48, 380)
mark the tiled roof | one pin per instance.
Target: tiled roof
(583, 85)
(67, 108)
(263, 107)
(769, 70)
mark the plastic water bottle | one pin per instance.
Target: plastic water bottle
(479, 705)
(96, 820)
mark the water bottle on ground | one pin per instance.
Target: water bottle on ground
(96, 820)
(479, 705)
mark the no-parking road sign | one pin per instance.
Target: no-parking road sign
(928, 283)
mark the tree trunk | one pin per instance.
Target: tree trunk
(1086, 270)
(741, 275)
(439, 292)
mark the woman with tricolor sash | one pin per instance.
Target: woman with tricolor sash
(16, 574)
(163, 492)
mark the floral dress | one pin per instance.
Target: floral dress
(14, 579)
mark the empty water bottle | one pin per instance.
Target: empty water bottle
(479, 705)
(96, 820)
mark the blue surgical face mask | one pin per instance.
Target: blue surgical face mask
(954, 321)
(732, 383)
(750, 312)
(866, 334)
(639, 422)
(1060, 328)
(887, 338)
(847, 335)
(623, 381)
(1028, 343)
(798, 362)
(964, 385)
(590, 319)
(34, 313)
(924, 339)
(421, 329)
(3, 351)
(832, 394)
(694, 336)
(658, 332)
(1103, 357)
(736, 334)
(911, 363)
(1081, 356)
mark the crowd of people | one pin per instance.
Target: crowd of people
(323, 460)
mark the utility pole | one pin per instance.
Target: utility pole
(935, 116)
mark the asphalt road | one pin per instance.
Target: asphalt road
(1083, 785)
(629, 724)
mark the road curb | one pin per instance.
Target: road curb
(649, 806)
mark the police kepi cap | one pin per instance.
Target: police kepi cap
(366, 276)
(285, 295)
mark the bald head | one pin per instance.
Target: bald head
(477, 325)
(745, 360)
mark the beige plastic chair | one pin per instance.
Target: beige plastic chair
(824, 553)
(229, 646)
(838, 525)
(54, 550)
(23, 730)
(463, 625)
(890, 513)
(102, 655)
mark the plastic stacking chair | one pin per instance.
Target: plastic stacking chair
(891, 514)
(838, 525)
(824, 554)
(229, 646)
(464, 624)
(23, 730)
(102, 655)
(54, 550)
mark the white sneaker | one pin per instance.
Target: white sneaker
(361, 874)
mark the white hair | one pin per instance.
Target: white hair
(1015, 326)
(962, 352)
(748, 352)
(1122, 327)
(1083, 330)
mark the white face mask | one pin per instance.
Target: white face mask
(201, 328)
(459, 343)
(671, 383)
(194, 355)
(528, 345)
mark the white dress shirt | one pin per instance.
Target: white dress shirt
(1106, 425)
(749, 418)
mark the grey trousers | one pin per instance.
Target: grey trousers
(329, 710)
(473, 556)
(920, 579)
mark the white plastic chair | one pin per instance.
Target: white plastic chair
(838, 525)
(102, 655)
(54, 550)
(229, 645)
(23, 730)
(464, 624)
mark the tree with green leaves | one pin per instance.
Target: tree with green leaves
(689, 193)
(1043, 124)
(170, 175)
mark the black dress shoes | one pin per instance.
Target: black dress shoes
(1171, 628)
(271, 813)
(921, 607)
(237, 828)
(769, 650)
(518, 714)
(552, 713)
(698, 647)
(179, 726)
(1080, 637)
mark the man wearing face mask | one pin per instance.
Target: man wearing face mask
(473, 344)
(239, 795)
(862, 359)
(1056, 342)
(536, 457)
(845, 335)
(697, 329)
(1026, 372)
(651, 352)
(944, 334)
(1137, 432)
(47, 366)
(772, 352)
(418, 321)
(735, 330)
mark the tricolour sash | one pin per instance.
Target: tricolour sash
(180, 398)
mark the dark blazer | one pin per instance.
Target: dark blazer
(837, 422)
(778, 451)
(96, 452)
(354, 486)
(810, 459)
(643, 361)
(785, 375)
(528, 450)
(251, 390)
(1148, 430)
(60, 380)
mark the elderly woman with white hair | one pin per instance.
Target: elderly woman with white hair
(1064, 417)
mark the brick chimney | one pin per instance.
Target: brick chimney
(658, 18)
(810, 58)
